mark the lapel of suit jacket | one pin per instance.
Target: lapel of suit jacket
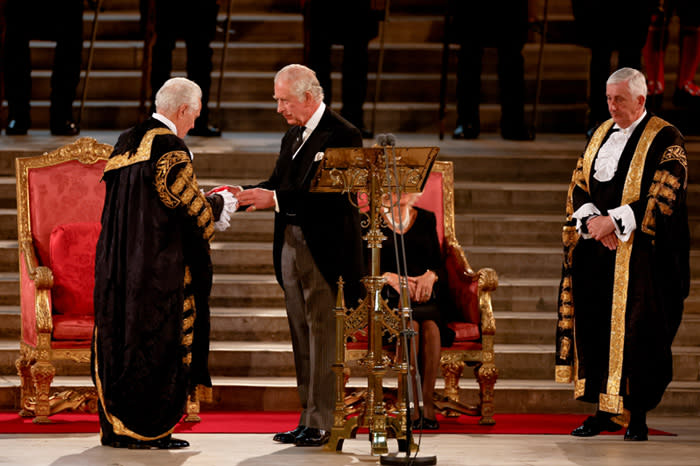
(313, 145)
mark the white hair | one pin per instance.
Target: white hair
(301, 80)
(176, 92)
(635, 80)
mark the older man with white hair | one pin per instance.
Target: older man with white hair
(626, 265)
(317, 240)
(153, 275)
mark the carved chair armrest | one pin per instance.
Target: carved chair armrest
(42, 279)
(488, 282)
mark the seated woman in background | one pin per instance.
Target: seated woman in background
(425, 273)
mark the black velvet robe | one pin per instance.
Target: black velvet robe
(153, 276)
(619, 310)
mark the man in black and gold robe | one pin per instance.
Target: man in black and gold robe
(153, 275)
(626, 264)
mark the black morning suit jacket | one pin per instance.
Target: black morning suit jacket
(329, 222)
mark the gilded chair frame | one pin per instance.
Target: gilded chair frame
(453, 359)
(35, 363)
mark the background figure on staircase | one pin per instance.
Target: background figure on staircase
(626, 269)
(352, 24)
(606, 26)
(195, 22)
(61, 22)
(317, 239)
(686, 93)
(502, 25)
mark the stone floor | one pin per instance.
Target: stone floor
(449, 449)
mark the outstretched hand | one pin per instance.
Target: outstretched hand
(256, 198)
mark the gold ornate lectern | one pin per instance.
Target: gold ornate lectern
(373, 171)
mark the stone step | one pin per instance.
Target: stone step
(536, 328)
(280, 394)
(520, 294)
(270, 325)
(256, 86)
(251, 155)
(470, 196)
(275, 359)
(418, 117)
(514, 294)
(270, 55)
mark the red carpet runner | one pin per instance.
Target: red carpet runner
(249, 422)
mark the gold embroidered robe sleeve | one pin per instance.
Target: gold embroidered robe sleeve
(177, 187)
(669, 179)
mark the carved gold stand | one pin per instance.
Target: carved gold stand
(354, 171)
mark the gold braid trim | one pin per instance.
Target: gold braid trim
(143, 153)
(117, 425)
(677, 153)
(171, 195)
(611, 401)
(562, 374)
(184, 190)
(592, 149)
(664, 189)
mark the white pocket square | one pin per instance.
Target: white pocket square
(318, 156)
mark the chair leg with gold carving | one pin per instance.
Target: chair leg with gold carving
(43, 373)
(451, 369)
(192, 409)
(486, 374)
(27, 391)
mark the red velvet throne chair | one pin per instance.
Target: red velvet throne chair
(59, 204)
(473, 321)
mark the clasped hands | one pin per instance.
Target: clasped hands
(420, 288)
(252, 199)
(602, 228)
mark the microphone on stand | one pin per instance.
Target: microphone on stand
(388, 142)
(386, 139)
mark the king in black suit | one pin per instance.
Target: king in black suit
(317, 240)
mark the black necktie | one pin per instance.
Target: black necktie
(298, 132)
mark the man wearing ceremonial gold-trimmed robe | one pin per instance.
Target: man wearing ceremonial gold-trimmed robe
(626, 263)
(153, 275)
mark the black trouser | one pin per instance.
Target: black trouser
(195, 22)
(511, 83)
(60, 21)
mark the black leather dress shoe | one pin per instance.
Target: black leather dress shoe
(64, 128)
(166, 443)
(17, 127)
(637, 432)
(290, 436)
(171, 443)
(594, 426)
(466, 131)
(205, 131)
(312, 437)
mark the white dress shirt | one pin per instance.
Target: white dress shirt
(603, 170)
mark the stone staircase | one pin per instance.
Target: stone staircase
(267, 34)
(509, 196)
(509, 200)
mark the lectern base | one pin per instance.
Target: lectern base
(405, 460)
